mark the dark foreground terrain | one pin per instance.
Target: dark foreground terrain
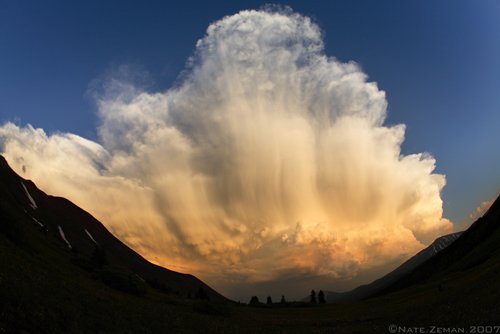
(97, 286)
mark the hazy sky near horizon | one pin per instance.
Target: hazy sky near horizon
(78, 68)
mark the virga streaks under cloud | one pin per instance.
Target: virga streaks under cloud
(268, 158)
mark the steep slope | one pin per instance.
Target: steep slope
(478, 245)
(378, 285)
(81, 238)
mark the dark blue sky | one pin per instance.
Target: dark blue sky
(438, 61)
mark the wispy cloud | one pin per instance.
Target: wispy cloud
(477, 213)
(268, 158)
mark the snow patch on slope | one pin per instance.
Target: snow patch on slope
(61, 232)
(36, 221)
(91, 237)
(32, 201)
(441, 243)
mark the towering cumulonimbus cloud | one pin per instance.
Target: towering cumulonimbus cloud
(268, 158)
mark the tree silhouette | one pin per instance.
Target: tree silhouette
(254, 300)
(201, 294)
(313, 297)
(321, 297)
(269, 300)
(99, 256)
(283, 300)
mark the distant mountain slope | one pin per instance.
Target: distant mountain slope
(82, 239)
(378, 285)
